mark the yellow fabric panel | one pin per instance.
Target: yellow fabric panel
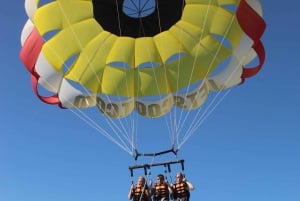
(213, 2)
(209, 53)
(234, 34)
(231, 31)
(187, 33)
(122, 51)
(151, 81)
(208, 2)
(48, 18)
(89, 67)
(220, 21)
(180, 73)
(59, 14)
(212, 18)
(199, 14)
(69, 41)
(229, 2)
(118, 81)
(167, 45)
(194, 31)
(133, 82)
(78, 11)
(215, 20)
(146, 51)
(205, 51)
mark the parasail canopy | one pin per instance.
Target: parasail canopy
(140, 55)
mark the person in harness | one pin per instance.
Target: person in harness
(161, 190)
(140, 191)
(181, 188)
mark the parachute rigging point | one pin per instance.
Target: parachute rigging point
(172, 150)
(146, 167)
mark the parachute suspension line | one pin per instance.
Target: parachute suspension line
(133, 120)
(132, 135)
(194, 64)
(154, 72)
(175, 136)
(119, 21)
(134, 132)
(203, 117)
(170, 132)
(207, 112)
(158, 16)
(108, 120)
(119, 130)
(170, 123)
(96, 126)
(87, 119)
(123, 133)
(181, 123)
(177, 123)
(93, 124)
(129, 121)
(112, 124)
(126, 124)
(141, 31)
(194, 126)
(174, 128)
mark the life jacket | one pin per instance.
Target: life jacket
(161, 191)
(139, 195)
(180, 190)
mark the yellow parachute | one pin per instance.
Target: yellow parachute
(144, 55)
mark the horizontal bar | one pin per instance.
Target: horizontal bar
(155, 164)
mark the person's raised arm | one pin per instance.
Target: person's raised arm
(131, 192)
(190, 185)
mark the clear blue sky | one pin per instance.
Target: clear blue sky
(248, 149)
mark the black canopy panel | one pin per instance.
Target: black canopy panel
(137, 18)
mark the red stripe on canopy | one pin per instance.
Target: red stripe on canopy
(254, 26)
(29, 55)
